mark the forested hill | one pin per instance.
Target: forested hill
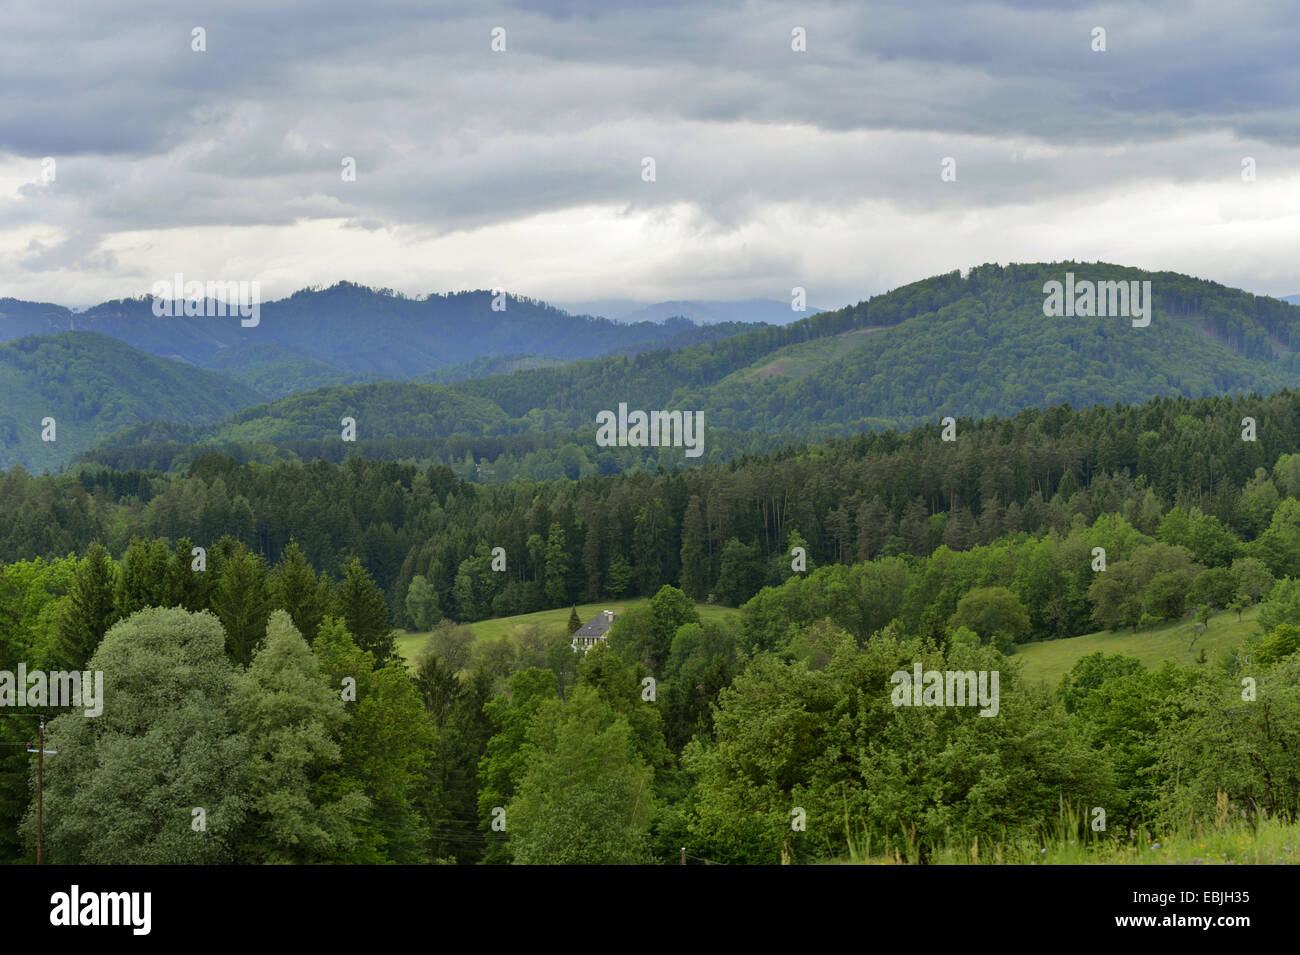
(970, 347)
(92, 385)
(408, 422)
(977, 346)
(349, 334)
(728, 530)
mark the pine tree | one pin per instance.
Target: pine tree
(620, 576)
(90, 611)
(558, 563)
(593, 566)
(144, 580)
(190, 588)
(694, 557)
(361, 605)
(242, 603)
(915, 529)
(449, 797)
(575, 623)
(439, 688)
(875, 525)
(959, 532)
(296, 589)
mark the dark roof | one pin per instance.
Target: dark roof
(595, 627)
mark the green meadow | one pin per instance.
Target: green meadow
(1267, 842)
(1048, 660)
(1043, 661)
(409, 642)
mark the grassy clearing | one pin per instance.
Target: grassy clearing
(1049, 660)
(1267, 842)
(802, 358)
(1043, 662)
(556, 621)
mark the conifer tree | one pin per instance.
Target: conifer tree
(90, 610)
(361, 605)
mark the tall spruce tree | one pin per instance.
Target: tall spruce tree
(89, 612)
(361, 605)
(296, 589)
(242, 603)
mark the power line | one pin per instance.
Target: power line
(687, 855)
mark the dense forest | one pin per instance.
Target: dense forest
(974, 346)
(969, 347)
(266, 589)
(93, 385)
(118, 375)
(719, 529)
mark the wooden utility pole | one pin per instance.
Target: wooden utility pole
(40, 752)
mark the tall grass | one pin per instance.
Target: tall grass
(1071, 840)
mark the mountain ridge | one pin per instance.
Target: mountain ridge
(351, 334)
(967, 346)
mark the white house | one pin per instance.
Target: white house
(595, 629)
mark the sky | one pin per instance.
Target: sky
(127, 156)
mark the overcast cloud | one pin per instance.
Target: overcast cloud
(523, 169)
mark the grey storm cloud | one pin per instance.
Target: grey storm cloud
(448, 135)
(79, 252)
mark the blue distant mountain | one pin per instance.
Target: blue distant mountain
(351, 334)
(771, 311)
